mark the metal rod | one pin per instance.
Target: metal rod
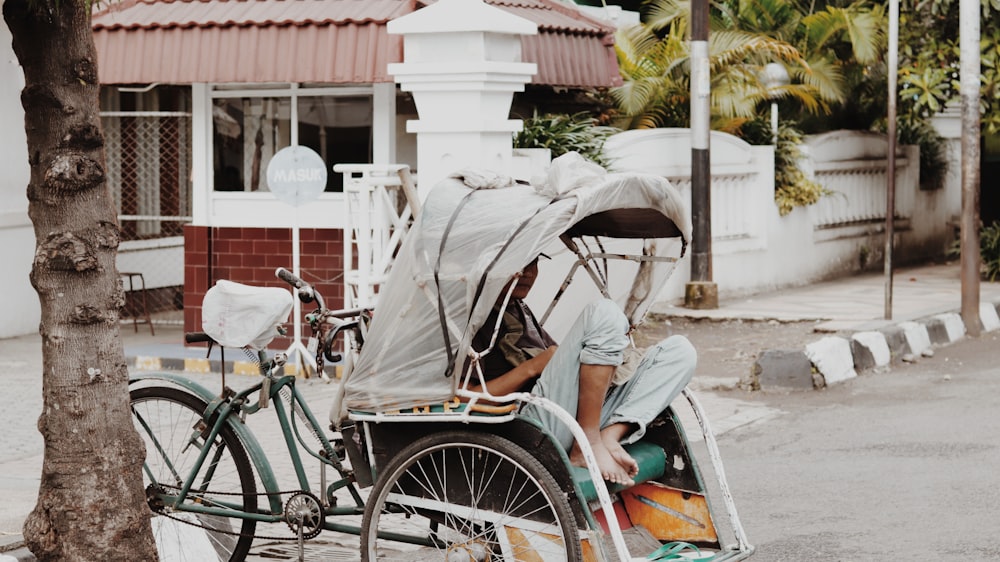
(890, 173)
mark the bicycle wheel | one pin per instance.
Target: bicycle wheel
(472, 496)
(170, 422)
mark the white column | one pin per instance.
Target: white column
(462, 62)
(384, 123)
(201, 153)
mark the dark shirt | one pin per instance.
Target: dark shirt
(520, 338)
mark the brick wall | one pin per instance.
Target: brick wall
(250, 256)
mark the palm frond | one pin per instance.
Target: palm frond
(863, 26)
(824, 76)
(866, 29)
(661, 14)
(734, 46)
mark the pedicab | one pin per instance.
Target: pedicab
(457, 474)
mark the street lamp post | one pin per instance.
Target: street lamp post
(774, 76)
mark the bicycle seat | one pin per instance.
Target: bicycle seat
(237, 315)
(455, 406)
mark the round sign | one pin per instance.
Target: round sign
(296, 175)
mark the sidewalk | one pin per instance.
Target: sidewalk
(928, 294)
(838, 325)
(844, 325)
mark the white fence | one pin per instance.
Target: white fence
(742, 178)
(755, 249)
(853, 165)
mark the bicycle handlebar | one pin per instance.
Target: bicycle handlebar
(306, 292)
(290, 278)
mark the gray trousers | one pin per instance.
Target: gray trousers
(599, 337)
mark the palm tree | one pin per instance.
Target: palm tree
(822, 51)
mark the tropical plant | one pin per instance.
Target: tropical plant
(989, 251)
(825, 52)
(792, 188)
(566, 133)
(656, 73)
(933, 160)
(929, 59)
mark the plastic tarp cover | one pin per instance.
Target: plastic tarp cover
(237, 315)
(474, 233)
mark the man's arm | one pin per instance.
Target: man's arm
(514, 379)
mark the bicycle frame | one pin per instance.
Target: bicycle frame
(225, 411)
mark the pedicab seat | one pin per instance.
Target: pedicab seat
(651, 459)
(454, 406)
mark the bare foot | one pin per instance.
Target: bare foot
(620, 455)
(611, 469)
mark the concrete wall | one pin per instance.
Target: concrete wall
(19, 306)
(754, 249)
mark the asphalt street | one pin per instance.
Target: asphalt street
(898, 465)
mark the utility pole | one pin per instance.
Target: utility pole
(969, 89)
(701, 292)
(890, 188)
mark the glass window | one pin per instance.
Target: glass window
(339, 129)
(248, 131)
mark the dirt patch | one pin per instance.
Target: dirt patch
(728, 348)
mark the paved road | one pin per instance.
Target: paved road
(899, 465)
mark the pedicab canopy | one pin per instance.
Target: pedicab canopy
(476, 230)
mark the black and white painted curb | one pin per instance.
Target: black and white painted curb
(834, 359)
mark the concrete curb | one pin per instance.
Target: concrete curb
(203, 366)
(834, 359)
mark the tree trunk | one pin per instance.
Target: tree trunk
(91, 504)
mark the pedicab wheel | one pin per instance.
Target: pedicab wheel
(469, 496)
(170, 423)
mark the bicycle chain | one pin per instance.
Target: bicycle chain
(235, 533)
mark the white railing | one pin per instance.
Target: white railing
(381, 201)
(742, 177)
(853, 165)
(754, 248)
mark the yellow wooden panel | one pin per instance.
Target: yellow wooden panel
(589, 554)
(524, 549)
(668, 514)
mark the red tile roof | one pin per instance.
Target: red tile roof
(316, 41)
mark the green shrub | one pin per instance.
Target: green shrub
(933, 162)
(566, 133)
(989, 251)
(791, 186)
